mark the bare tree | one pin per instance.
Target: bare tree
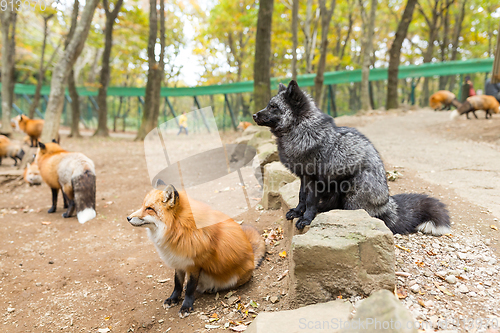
(152, 102)
(8, 17)
(367, 50)
(326, 18)
(459, 19)
(310, 33)
(73, 93)
(42, 68)
(295, 37)
(395, 54)
(62, 70)
(262, 63)
(102, 123)
(495, 77)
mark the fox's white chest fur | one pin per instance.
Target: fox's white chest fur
(170, 258)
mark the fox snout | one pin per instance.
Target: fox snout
(260, 116)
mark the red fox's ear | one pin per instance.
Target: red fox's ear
(41, 145)
(170, 196)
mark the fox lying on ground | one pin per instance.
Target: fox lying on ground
(10, 149)
(207, 246)
(74, 174)
(443, 100)
(32, 174)
(32, 127)
(478, 102)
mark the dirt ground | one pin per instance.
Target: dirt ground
(59, 275)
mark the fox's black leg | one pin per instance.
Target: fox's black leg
(178, 284)
(66, 199)
(68, 203)
(191, 285)
(54, 200)
(312, 199)
(474, 113)
(301, 207)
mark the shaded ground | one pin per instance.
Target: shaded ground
(59, 275)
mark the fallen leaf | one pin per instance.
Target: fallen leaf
(283, 275)
(443, 289)
(420, 263)
(254, 304)
(404, 274)
(163, 280)
(431, 253)
(282, 254)
(212, 326)
(46, 222)
(239, 328)
(403, 248)
(421, 303)
(229, 294)
(494, 227)
(401, 293)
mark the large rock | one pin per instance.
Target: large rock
(325, 317)
(266, 153)
(251, 130)
(261, 137)
(290, 195)
(243, 139)
(381, 312)
(343, 253)
(275, 176)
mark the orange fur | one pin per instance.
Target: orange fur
(48, 160)
(243, 125)
(440, 99)
(4, 146)
(32, 127)
(32, 175)
(198, 241)
(484, 102)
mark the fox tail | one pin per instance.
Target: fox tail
(84, 190)
(258, 244)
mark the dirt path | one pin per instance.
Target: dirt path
(66, 277)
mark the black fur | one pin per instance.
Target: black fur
(339, 168)
(84, 191)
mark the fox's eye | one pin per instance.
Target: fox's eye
(150, 209)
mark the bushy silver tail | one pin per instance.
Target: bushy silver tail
(84, 191)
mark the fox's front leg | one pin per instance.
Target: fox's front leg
(191, 285)
(176, 294)
(312, 201)
(301, 207)
(52, 209)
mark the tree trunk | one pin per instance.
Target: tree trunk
(75, 106)
(495, 77)
(160, 70)
(326, 18)
(295, 37)
(41, 70)
(147, 122)
(310, 32)
(102, 123)
(367, 50)
(8, 60)
(395, 54)
(262, 62)
(62, 70)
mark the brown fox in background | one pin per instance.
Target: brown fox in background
(207, 246)
(32, 127)
(74, 174)
(443, 99)
(10, 149)
(243, 125)
(478, 102)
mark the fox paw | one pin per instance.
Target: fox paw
(170, 302)
(302, 223)
(51, 210)
(65, 215)
(184, 311)
(293, 213)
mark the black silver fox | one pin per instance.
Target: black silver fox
(339, 168)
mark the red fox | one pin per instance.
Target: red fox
(220, 255)
(32, 127)
(32, 174)
(243, 125)
(478, 102)
(443, 99)
(74, 174)
(9, 149)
